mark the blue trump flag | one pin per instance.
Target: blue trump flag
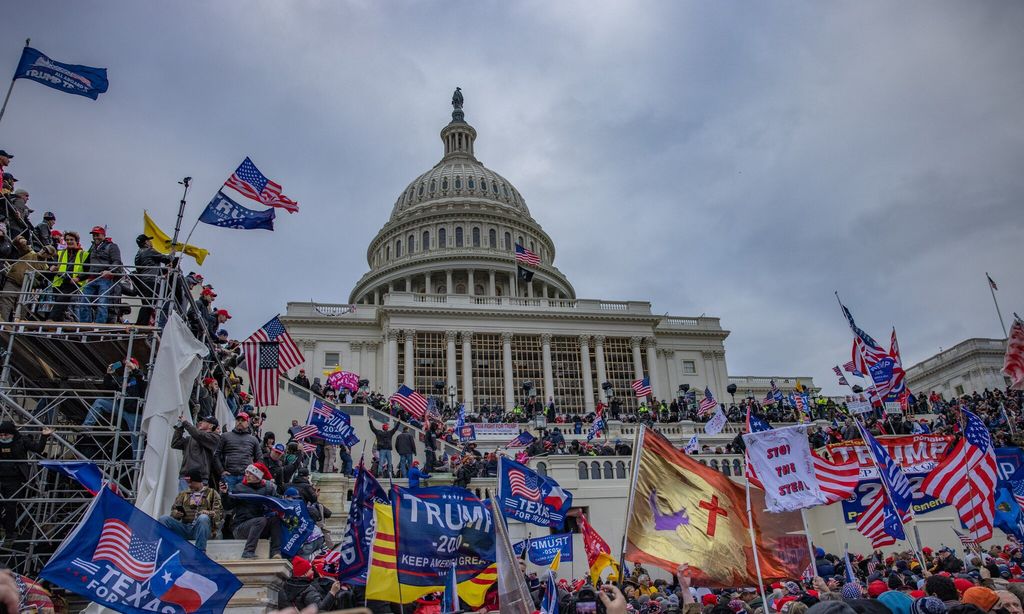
(334, 426)
(889, 471)
(440, 527)
(226, 213)
(71, 78)
(355, 547)
(1008, 514)
(528, 497)
(85, 472)
(296, 526)
(123, 559)
(466, 432)
(542, 550)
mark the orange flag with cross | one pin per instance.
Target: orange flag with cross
(686, 512)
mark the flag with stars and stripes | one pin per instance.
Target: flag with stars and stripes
(896, 482)
(410, 400)
(851, 369)
(642, 387)
(248, 181)
(269, 352)
(525, 256)
(708, 404)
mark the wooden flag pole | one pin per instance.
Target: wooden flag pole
(753, 539)
(637, 442)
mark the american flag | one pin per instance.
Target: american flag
(642, 387)
(708, 404)
(892, 476)
(842, 378)
(966, 478)
(521, 440)
(1013, 361)
(836, 481)
(269, 352)
(865, 351)
(1017, 487)
(411, 401)
(523, 485)
(525, 256)
(322, 409)
(968, 542)
(851, 369)
(879, 522)
(134, 556)
(307, 431)
(250, 182)
(332, 557)
(308, 447)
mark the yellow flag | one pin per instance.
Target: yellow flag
(382, 579)
(162, 242)
(799, 387)
(555, 562)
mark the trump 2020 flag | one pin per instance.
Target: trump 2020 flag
(123, 559)
(70, 78)
(355, 547)
(527, 496)
(296, 525)
(543, 550)
(332, 424)
(226, 213)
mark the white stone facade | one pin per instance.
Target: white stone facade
(969, 366)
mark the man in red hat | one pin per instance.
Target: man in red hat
(237, 450)
(100, 265)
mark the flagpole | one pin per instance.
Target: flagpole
(991, 285)
(187, 182)
(753, 537)
(810, 544)
(10, 88)
(637, 442)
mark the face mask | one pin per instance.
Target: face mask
(6, 438)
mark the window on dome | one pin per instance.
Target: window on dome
(476, 237)
(520, 241)
(508, 241)
(411, 242)
(426, 240)
(433, 186)
(479, 290)
(442, 237)
(533, 248)
(398, 248)
(504, 190)
(458, 183)
(483, 186)
(458, 236)
(494, 186)
(492, 238)
(444, 183)
(472, 184)
(410, 195)
(387, 253)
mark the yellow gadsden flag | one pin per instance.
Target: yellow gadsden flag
(382, 579)
(685, 512)
(162, 242)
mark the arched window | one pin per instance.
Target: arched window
(520, 241)
(460, 288)
(609, 473)
(532, 247)
(492, 238)
(714, 464)
(411, 243)
(458, 183)
(483, 185)
(581, 469)
(508, 241)
(620, 470)
(421, 189)
(479, 290)
(458, 236)
(410, 195)
(595, 470)
(542, 468)
(494, 186)
(737, 467)
(398, 248)
(726, 469)
(425, 245)
(504, 190)
(476, 237)
(472, 183)
(387, 253)
(433, 186)
(442, 237)
(444, 183)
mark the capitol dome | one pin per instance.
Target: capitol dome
(453, 230)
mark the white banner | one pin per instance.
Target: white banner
(716, 423)
(858, 407)
(893, 408)
(782, 460)
(496, 430)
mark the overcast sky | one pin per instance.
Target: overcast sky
(736, 159)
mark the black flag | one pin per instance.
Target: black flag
(525, 274)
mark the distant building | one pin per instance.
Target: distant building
(969, 366)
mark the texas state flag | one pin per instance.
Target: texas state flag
(175, 584)
(556, 497)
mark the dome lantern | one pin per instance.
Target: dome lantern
(458, 136)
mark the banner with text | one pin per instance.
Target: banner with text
(542, 550)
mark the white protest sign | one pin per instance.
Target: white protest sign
(782, 461)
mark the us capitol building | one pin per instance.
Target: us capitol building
(442, 306)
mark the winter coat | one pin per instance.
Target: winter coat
(209, 504)
(405, 444)
(134, 391)
(237, 450)
(147, 263)
(383, 437)
(415, 475)
(302, 592)
(198, 451)
(103, 257)
(247, 510)
(18, 449)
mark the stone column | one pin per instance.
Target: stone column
(370, 364)
(392, 357)
(652, 366)
(448, 282)
(638, 363)
(376, 296)
(588, 383)
(490, 283)
(410, 367)
(512, 284)
(427, 289)
(549, 378)
(467, 369)
(602, 374)
(451, 335)
(529, 289)
(471, 283)
(506, 365)
(356, 349)
(408, 283)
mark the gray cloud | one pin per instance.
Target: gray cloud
(724, 158)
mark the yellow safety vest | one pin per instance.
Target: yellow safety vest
(62, 266)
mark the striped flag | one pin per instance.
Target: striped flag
(850, 368)
(968, 542)
(708, 404)
(521, 440)
(836, 481)
(642, 387)
(879, 522)
(896, 483)
(525, 256)
(411, 401)
(134, 556)
(269, 352)
(966, 478)
(839, 374)
(251, 183)
(307, 431)
(450, 603)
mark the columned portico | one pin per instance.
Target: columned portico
(652, 366)
(602, 374)
(638, 365)
(588, 385)
(549, 378)
(506, 365)
(467, 369)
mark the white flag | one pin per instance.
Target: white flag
(178, 362)
(716, 423)
(781, 459)
(692, 446)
